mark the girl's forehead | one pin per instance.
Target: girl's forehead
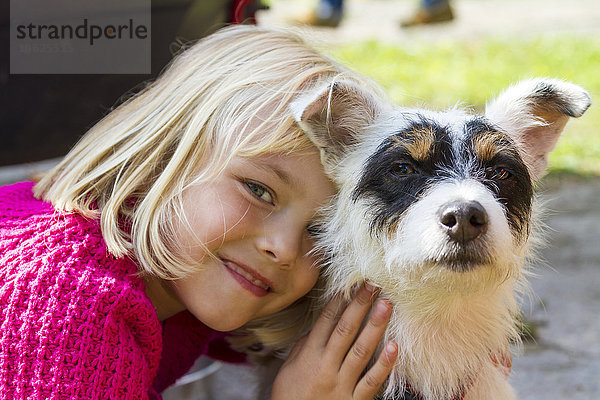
(288, 166)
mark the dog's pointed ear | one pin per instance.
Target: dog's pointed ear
(333, 117)
(534, 113)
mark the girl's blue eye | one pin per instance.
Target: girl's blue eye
(260, 191)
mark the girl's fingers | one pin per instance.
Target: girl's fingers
(297, 348)
(349, 324)
(325, 324)
(371, 382)
(330, 360)
(364, 347)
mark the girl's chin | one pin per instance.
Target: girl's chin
(218, 323)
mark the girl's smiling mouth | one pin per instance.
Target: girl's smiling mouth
(248, 278)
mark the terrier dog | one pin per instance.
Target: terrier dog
(438, 210)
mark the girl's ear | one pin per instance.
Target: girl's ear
(334, 117)
(534, 113)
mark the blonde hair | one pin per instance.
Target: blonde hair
(226, 96)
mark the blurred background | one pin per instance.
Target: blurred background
(464, 52)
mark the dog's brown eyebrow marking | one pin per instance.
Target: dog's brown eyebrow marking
(417, 141)
(490, 143)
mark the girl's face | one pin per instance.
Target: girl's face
(256, 219)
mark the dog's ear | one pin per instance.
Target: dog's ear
(333, 117)
(534, 112)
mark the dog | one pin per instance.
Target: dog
(438, 210)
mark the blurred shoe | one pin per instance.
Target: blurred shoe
(323, 15)
(441, 13)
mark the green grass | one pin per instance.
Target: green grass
(446, 73)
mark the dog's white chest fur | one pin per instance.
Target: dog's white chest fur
(437, 209)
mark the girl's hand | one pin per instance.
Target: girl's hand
(329, 362)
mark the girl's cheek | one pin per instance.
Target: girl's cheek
(311, 279)
(232, 219)
(312, 254)
(310, 268)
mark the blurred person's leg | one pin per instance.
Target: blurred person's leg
(429, 12)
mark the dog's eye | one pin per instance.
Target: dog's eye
(402, 169)
(500, 173)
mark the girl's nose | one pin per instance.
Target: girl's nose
(273, 256)
(280, 253)
(282, 245)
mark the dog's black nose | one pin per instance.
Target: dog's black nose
(464, 220)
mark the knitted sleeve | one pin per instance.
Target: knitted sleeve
(74, 321)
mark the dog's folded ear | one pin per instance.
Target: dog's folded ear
(534, 113)
(333, 116)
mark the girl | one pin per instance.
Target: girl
(185, 213)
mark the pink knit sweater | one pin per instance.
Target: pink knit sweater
(75, 322)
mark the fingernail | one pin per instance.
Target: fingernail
(383, 308)
(391, 348)
(385, 303)
(370, 287)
